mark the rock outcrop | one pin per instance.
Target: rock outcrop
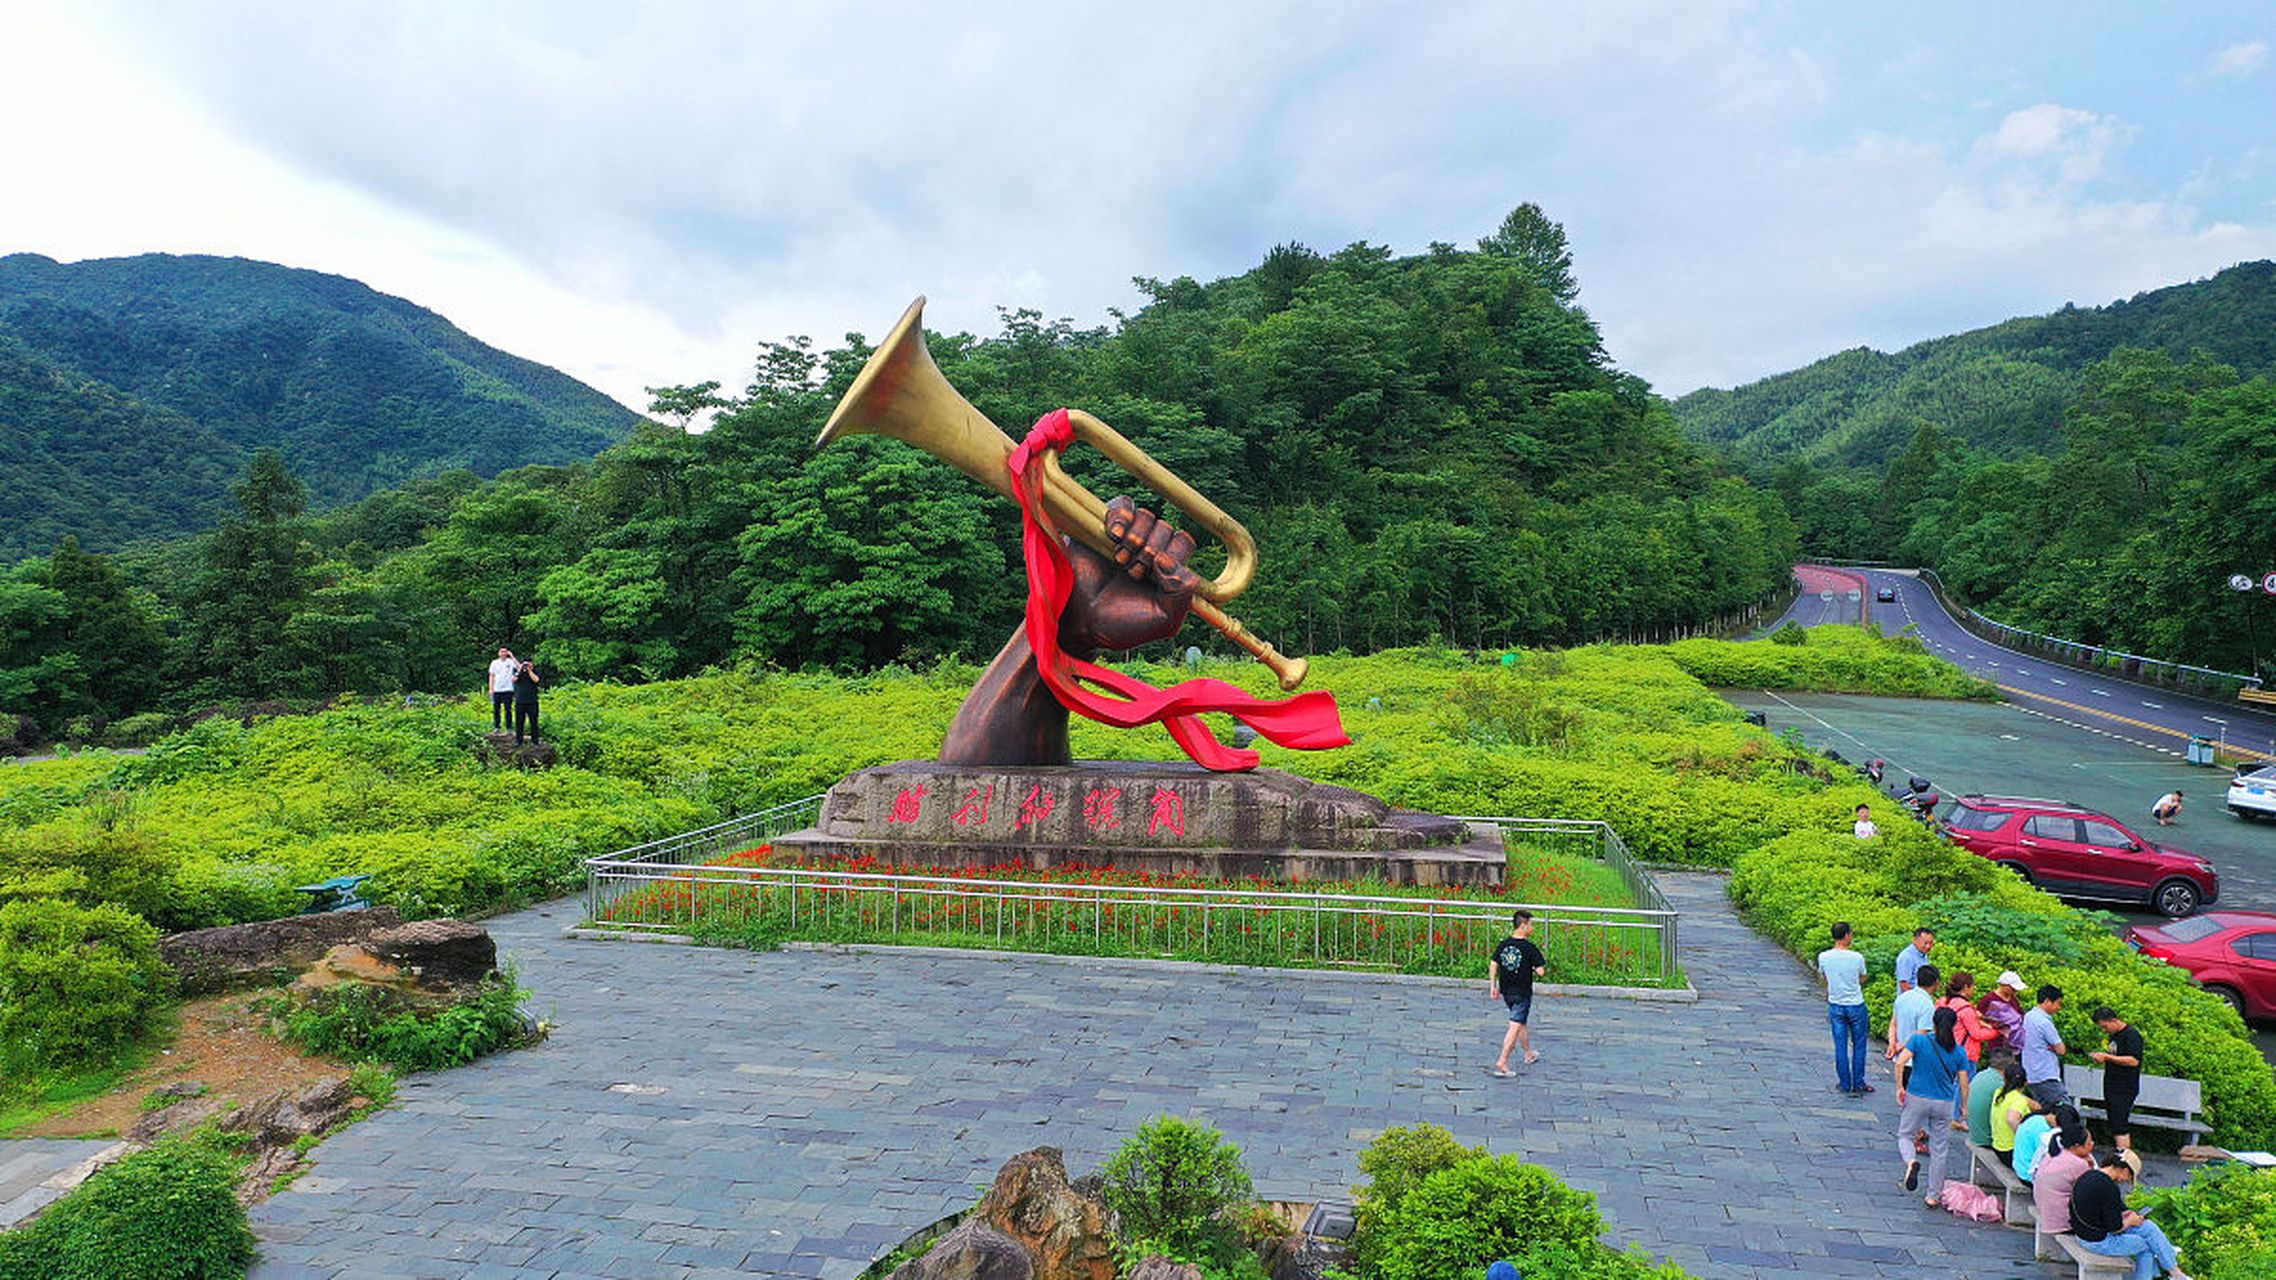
(1033, 1224)
(974, 1251)
(1066, 1228)
(265, 951)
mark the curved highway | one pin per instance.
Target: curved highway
(2154, 718)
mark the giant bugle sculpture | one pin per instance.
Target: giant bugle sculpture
(901, 393)
(1009, 718)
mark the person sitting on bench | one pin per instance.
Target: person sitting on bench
(2103, 1224)
(2058, 1174)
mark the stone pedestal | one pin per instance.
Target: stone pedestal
(1177, 819)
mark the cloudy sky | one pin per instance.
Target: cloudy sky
(639, 194)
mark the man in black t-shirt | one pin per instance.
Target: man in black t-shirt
(2121, 1074)
(1517, 961)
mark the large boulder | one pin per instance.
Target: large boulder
(974, 1251)
(438, 953)
(1157, 1267)
(265, 951)
(1067, 1228)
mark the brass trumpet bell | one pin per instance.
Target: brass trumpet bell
(902, 393)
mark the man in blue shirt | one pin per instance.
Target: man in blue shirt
(1912, 957)
(2043, 1049)
(1844, 972)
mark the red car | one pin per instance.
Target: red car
(2076, 852)
(2230, 953)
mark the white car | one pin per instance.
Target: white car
(2253, 795)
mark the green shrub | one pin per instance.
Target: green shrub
(1480, 1209)
(168, 1212)
(1172, 1184)
(1397, 1162)
(2223, 1220)
(139, 730)
(78, 985)
(1790, 633)
(366, 1023)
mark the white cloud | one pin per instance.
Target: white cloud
(639, 194)
(2240, 59)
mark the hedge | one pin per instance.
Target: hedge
(168, 1212)
(1989, 920)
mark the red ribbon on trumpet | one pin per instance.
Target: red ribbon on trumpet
(1308, 721)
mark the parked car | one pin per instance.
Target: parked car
(1886, 595)
(2077, 852)
(2252, 794)
(2230, 953)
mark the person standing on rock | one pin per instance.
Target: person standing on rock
(525, 701)
(1516, 963)
(1844, 972)
(501, 689)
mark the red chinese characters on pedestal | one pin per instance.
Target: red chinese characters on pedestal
(974, 811)
(1169, 812)
(1035, 808)
(907, 805)
(1101, 808)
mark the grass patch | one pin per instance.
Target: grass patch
(24, 1103)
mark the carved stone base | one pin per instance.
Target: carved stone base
(1141, 816)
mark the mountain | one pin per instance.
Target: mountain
(133, 390)
(2002, 388)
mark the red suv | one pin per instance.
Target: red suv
(2076, 852)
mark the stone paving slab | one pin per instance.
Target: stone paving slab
(709, 1113)
(36, 1172)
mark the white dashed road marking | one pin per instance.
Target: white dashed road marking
(2058, 680)
(2155, 706)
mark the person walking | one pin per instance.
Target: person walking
(501, 682)
(1864, 828)
(525, 702)
(2101, 1222)
(1844, 972)
(2167, 808)
(2003, 1009)
(1913, 957)
(1517, 962)
(2121, 1061)
(2043, 1049)
(1932, 1079)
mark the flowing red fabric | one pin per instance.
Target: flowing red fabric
(1308, 721)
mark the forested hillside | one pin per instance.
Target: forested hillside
(2095, 474)
(2002, 389)
(134, 390)
(1435, 445)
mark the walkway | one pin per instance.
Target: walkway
(35, 1172)
(710, 1113)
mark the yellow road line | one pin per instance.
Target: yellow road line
(2230, 748)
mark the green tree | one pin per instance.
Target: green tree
(1528, 235)
(252, 576)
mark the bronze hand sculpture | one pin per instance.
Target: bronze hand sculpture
(1010, 717)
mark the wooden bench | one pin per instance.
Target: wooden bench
(2089, 1262)
(2165, 1102)
(2015, 1200)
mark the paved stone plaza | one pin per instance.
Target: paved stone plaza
(713, 1113)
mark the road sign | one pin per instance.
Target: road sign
(1825, 595)
(2240, 582)
(2268, 584)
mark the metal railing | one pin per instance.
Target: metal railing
(683, 884)
(2206, 681)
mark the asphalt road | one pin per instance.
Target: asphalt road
(2146, 716)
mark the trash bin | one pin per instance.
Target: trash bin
(2200, 751)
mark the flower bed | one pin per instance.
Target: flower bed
(748, 898)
